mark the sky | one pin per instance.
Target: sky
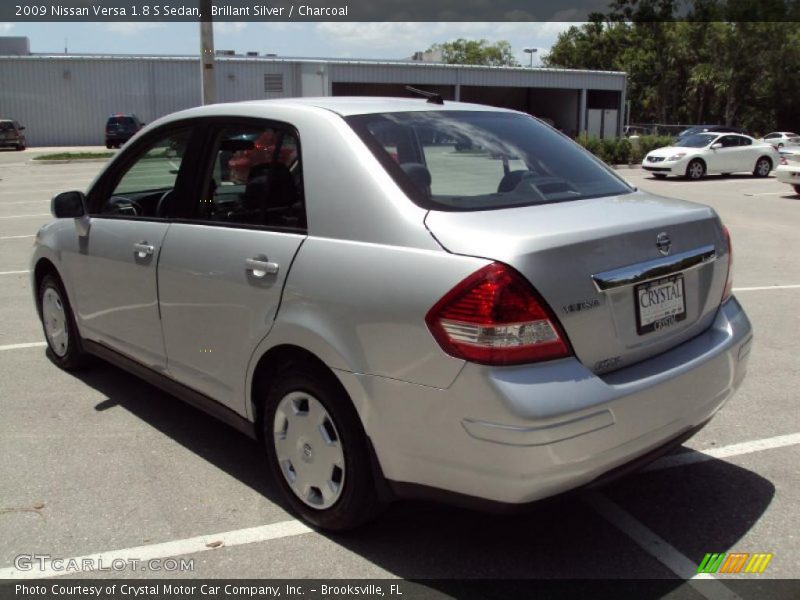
(330, 39)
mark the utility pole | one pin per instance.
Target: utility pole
(207, 75)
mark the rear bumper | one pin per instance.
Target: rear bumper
(518, 434)
(790, 175)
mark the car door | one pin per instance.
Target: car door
(749, 154)
(728, 158)
(116, 293)
(222, 270)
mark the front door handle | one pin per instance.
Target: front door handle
(260, 267)
(143, 250)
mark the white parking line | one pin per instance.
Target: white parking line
(13, 272)
(26, 216)
(695, 456)
(767, 287)
(16, 237)
(21, 346)
(658, 548)
(202, 543)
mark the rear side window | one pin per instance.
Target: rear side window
(256, 179)
(474, 160)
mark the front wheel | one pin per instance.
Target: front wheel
(796, 189)
(695, 170)
(21, 147)
(318, 451)
(763, 167)
(63, 342)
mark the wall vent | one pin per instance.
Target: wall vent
(273, 83)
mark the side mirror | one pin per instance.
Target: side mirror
(68, 205)
(21, 128)
(716, 145)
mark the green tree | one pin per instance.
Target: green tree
(476, 52)
(700, 69)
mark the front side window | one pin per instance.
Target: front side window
(256, 179)
(146, 187)
(474, 160)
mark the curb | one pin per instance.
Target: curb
(33, 161)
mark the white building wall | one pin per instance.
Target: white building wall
(65, 100)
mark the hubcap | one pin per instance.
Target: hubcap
(696, 171)
(763, 167)
(309, 450)
(55, 321)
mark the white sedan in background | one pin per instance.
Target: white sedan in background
(788, 170)
(779, 139)
(707, 153)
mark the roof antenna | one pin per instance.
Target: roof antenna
(433, 97)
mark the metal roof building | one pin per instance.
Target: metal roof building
(65, 99)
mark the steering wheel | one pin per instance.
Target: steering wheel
(161, 205)
(120, 205)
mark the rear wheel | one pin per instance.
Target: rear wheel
(317, 449)
(763, 167)
(796, 189)
(63, 342)
(695, 169)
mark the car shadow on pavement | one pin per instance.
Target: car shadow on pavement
(704, 507)
(210, 439)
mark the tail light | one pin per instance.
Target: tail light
(783, 160)
(495, 317)
(728, 292)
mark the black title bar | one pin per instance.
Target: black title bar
(394, 10)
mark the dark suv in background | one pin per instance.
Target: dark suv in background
(120, 128)
(11, 135)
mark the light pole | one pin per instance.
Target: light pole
(531, 51)
(208, 82)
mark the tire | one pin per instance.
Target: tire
(696, 169)
(726, 174)
(796, 189)
(335, 446)
(763, 167)
(109, 146)
(21, 147)
(659, 175)
(64, 346)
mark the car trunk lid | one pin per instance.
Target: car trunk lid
(604, 267)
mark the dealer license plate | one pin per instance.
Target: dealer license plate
(659, 304)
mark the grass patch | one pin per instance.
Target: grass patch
(74, 155)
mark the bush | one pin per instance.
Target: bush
(646, 143)
(621, 151)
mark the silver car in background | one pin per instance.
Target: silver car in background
(399, 297)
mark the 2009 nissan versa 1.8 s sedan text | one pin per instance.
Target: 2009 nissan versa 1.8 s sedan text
(419, 299)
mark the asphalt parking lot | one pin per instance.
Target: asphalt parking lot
(103, 463)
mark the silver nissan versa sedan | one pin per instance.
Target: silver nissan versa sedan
(398, 297)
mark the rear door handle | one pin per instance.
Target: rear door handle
(260, 267)
(143, 250)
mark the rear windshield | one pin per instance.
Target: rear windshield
(464, 160)
(126, 121)
(6, 126)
